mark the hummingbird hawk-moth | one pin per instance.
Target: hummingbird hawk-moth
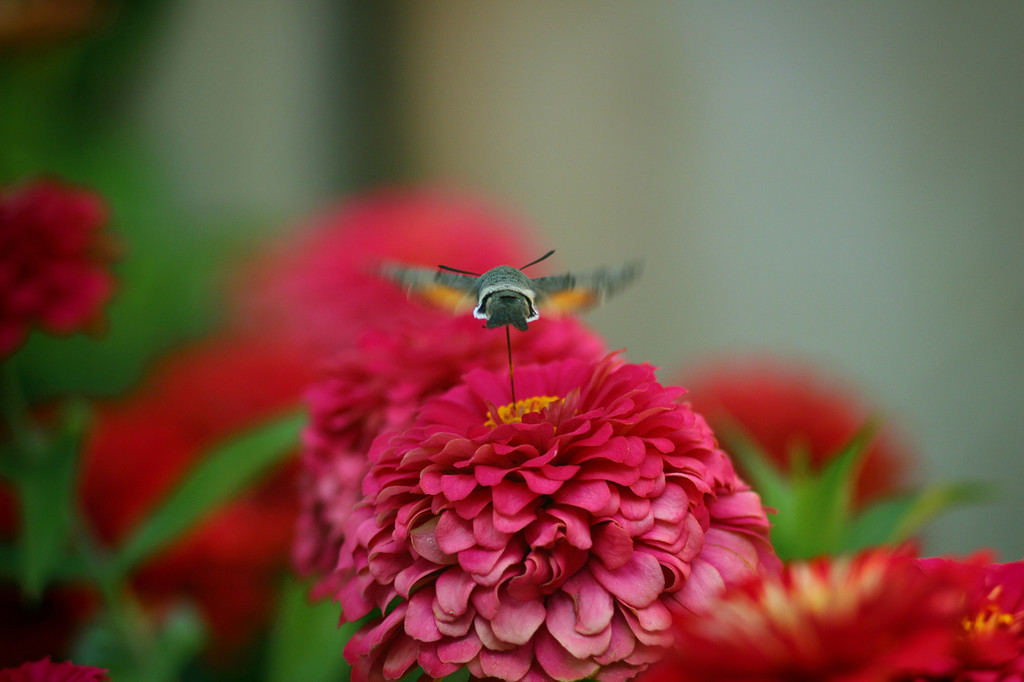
(504, 295)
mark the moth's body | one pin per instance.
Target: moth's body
(504, 295)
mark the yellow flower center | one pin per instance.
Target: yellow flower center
(511, 414)
(988, 621)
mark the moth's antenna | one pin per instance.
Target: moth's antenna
(511, 379)
(534, 262)
(461, 272)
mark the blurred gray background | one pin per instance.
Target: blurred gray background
(839, 182)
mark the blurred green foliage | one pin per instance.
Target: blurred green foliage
(64, 111)
(814, 511)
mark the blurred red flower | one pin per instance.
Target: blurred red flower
(47, 671)
(873, 617)
(139, 448)
(784, 408)
(53, 260)
(991, 642)
(549, 539)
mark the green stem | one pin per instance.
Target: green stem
(28, 438)
(125, 619)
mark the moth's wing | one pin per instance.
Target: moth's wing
(562, 294)
(444, 289)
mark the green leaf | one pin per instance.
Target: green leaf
(826, 497)
(762, 474)
(812, 507)
(226, 471)
(897, 519)
(306, 642)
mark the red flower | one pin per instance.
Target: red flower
(320, 287)
(143, 445)
(550, 539)
(991, 642)
(53, 260)
(379, 386)
(47, 671)
(877, 616)
(785, 408)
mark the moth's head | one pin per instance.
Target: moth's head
(506, 307)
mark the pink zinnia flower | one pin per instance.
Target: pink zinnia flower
(378, 386)
(320, 287)
(47, 671)
(877, 616)
(53, 260)
(550, 539)
(785, 407)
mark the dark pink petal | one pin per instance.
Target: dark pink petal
(593, 496)
(479, 561)
(561, 624)
(653, 618)
(487, 535)
(419, 619)
(503, 568)
(515, 621)
(704, 584)
(731, 553)
(489, 641)
(671, 505)
(400, 657)
(739, 505)
(456, 487)
(635, 508)
(454, 627)
(424, 541)
(413, 575)
(511, 664)
(369, 638)
(453, 533)
(511, 497)
(490, 476)
(486, 603)
(559, 663)
(459, 650)
(559, 472)
(645, 636)
(636, 583)
(473, 505)
(613, 545)
(594, 606)
(622, 644)
(452, 590)
(432, 665)
(540, 485)
(515, 522)
(577, 528)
